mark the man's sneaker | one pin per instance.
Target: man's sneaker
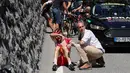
(54, 68)
(79, 63)
(71, 67)
(100, 62)
(73, 63)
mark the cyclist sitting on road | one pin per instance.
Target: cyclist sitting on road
(61, 42)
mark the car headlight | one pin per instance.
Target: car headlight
(97, 27)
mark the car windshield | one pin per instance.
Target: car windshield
(111, 9)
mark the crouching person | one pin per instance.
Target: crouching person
(89, 48)
(62, 44)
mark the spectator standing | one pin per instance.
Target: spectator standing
(58, 7)
(56, 10)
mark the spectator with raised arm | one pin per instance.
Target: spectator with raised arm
(62, 43)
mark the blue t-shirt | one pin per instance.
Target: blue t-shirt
(57, 4)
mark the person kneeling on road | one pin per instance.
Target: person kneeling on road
(61, 41)
(88, 47)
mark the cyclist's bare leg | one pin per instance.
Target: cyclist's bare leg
(57, 26)
(67, 55)
(66, 52)
(56, 54)
(51, 24)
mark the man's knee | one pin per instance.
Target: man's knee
(93, 51)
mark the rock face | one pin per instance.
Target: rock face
(21, 36)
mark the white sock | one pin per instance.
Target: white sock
(55, 61)
(69, 62)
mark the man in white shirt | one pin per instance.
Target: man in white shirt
(88, 47)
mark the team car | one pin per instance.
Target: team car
(110, 22)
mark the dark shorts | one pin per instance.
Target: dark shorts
(57, 15)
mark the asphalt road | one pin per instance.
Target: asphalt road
(115, 62)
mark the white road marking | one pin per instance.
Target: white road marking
(60, 69)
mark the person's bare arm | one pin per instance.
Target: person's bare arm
(69, 4)
(44, 4)
(74, 10)
(81, 43)
(53, 35)
(66, 6)
(70, 44)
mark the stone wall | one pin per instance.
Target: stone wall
(21, 35)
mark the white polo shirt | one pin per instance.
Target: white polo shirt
(90, 39)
